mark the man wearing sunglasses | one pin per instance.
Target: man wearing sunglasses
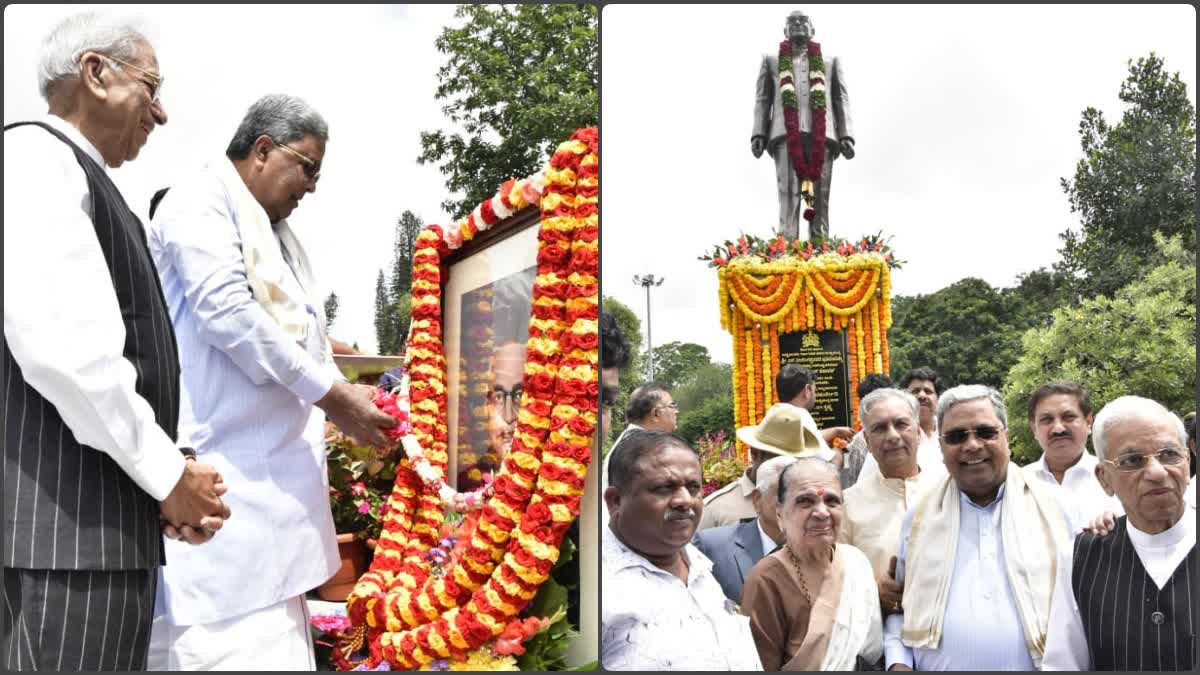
(259, 382)
(977, 552)
(1123, 601)
(93, 470)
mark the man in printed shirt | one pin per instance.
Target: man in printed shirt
(1060, 417)
(259, 381)
(91, 396)
(662, 608)
(1123, 601)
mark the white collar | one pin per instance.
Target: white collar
(768, 543)
(1168, 537)
(1086, 463)
(617, 556)
(77, 137)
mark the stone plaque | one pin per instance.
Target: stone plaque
(826, 353)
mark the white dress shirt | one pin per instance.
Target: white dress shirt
(247, 408)
(982, 628)
(768, 543)
(1161, 554)
(651, 620)
(929, 458)
(1080, 487)
(62, 319)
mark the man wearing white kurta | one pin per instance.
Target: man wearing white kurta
(875, 507)
(1123, 601)
(257, 373)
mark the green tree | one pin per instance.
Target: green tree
(1142, 341)
(1135, 178)
(400, 315)
(518, 80)
(331, 308)
(407, 229)
(959, 331)
(675, 361)
(631, 328)
(705, 401)
(384, 327)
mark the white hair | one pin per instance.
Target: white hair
(869, 401)
(118, 37)
(1132, 407)
(766, 481)
(971, 392)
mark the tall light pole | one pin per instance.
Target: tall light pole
(647, 281)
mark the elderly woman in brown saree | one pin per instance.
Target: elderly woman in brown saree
(813, 604)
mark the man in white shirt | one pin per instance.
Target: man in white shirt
(1123, 601)
(875, 507)
(661, 607)
(977, 551)
(91, 398)
(259, 381)
(1060, 417)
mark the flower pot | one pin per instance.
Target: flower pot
(354, 563)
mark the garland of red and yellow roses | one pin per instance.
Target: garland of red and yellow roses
(410, 614)
(846, 288)
(808, 171)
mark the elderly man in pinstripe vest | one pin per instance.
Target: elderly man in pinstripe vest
(1123, 600)
(91, 386)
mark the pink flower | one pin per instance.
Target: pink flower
(364, 507)
(359, 488)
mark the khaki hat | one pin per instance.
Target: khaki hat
(786, 430)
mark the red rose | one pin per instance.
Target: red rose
(488, 213)
(538, 513)
(552, 254)
(545, 535)
(582, 453)
(541, 384)
(573, 386)
(581, 426)
(550, 471)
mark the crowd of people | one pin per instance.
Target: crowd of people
(920, 545)
(151, 368)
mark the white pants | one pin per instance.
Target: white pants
(272, 638)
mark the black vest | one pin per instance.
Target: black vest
(70, 506)
(1129, 623)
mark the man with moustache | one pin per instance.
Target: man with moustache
(93, 469)
(977, 553)
(259, 382)
(659, 593)
(734, 549)
(876, 506)
(1060, 417)
(1123, 600)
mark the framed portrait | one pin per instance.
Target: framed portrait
(487, 304)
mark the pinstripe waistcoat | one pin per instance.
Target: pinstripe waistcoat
(67, 505)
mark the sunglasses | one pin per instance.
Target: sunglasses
(983, 432)
(312, 168)
(1136, 461)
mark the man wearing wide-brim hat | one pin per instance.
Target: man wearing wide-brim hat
(785, 430)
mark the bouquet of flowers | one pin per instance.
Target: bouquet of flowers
(361, 478)
(718, 461)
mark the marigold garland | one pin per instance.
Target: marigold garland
(845, 287)
(414, 613)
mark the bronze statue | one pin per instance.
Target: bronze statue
(813, 100)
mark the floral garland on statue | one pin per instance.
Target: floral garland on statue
(413, 608)
(808, 171)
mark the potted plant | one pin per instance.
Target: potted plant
(718, 459)
(359, 484)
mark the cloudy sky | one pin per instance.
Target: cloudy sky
(370, 70)
(965, 119)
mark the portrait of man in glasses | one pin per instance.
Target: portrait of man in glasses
(1097, 621)
(982, 542)
(495, 321)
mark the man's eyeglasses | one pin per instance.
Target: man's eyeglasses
(312, 168)
(1136, 461)
(501, 398)
(672, 405)
(154, 85)
(983, 432)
